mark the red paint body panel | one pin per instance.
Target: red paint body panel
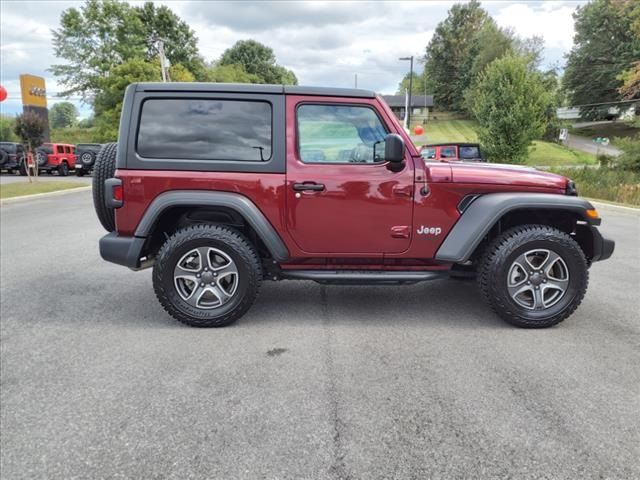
(61, 152)
(361, 205)
(367, 216)
(141, 187)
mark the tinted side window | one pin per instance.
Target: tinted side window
(448, 152)
(203, 129)
(340, 134)
(428, 153)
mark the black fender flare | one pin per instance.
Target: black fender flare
(482, 214)
(234, 201)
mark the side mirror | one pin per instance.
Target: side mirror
(394, 148)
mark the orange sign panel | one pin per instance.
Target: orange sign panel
(34, 92)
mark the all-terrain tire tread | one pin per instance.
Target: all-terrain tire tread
(495, 254)
(234, 239)
(104, 168)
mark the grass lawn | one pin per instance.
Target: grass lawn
(19, 189)
(540, 153)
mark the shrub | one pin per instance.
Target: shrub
(510, 102)
(613, 184)
(630, 158)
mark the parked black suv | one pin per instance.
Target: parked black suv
(86, 154)
(11, 156)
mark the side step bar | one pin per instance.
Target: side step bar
(363, 277)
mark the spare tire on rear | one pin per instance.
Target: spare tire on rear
(4, 156)
(42, 157)
(88, 158)
(104, 169)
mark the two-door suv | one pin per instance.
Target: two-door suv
(220, 187)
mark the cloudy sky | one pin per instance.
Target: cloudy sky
(325, 43)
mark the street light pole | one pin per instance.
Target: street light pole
(410, 88)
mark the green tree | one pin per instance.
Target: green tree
(108, 102)
(103, 34)
(180, 41)
(258, 60)
(229, 74)
(491, 42)
(450, 54)
(29, 128)
(417, 84)
(7, 125)
(510, 103)
(62, 115)
(605, 44)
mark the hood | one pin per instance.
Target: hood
(501, 174)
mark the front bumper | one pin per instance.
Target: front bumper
(602, 247)
(124, 251)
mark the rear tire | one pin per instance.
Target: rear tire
(105, 167)
(63, 169)
(79, 172)
(214, 302)
(533, 276)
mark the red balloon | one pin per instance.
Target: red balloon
(3, 93)
(418, 130)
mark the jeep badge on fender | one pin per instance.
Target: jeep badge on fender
(219, 187)
(429, 230)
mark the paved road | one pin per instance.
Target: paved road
(586, 144)
(315, 382)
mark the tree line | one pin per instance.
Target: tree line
(474, 67)
(107, 44)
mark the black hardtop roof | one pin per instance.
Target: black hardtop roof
(253, 88)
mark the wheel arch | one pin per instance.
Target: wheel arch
(489, 214)
(174, 209)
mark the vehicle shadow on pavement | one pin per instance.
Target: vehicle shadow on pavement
(454, 303)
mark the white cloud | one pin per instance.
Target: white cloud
(325, 43)
(552, 21)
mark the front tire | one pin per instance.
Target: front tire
(207, 275)
(533, 276)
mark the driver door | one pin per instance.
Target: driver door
(342, 198)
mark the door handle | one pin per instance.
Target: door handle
(309, 186)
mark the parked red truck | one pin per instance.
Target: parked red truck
(220, 187)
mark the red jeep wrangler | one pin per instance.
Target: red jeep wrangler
(220, 187)
(59, 157)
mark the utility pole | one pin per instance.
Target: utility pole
(410, 88)
(164, 62)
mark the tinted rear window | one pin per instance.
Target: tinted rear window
(202, 129)
(469, 152)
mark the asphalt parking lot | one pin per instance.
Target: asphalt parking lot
(319, 382)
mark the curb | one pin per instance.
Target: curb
(36, 196)
(613, 205)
